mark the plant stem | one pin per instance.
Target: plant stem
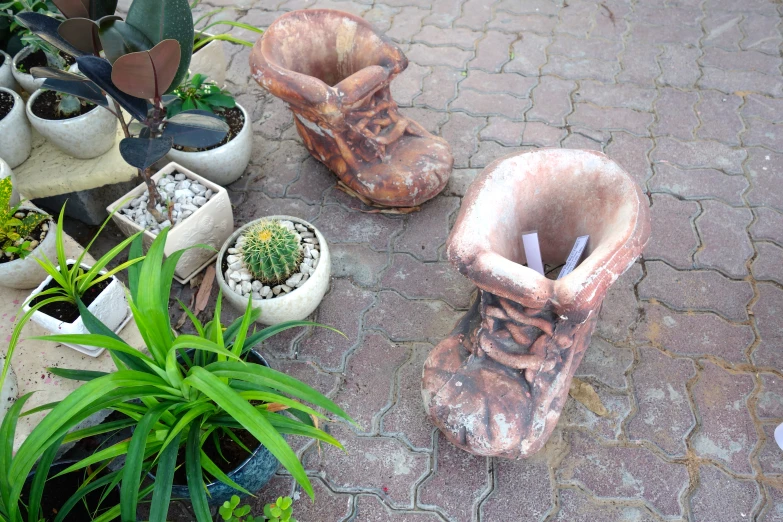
(122, 119)
(154, 196)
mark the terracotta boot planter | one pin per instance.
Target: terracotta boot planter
(334, 71)
(497, 385)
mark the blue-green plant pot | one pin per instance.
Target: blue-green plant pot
(252, 474)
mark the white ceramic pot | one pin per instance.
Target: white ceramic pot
(211, 224)
(225, 164)
(26, 80)
(6, 172)
(16, 139)
(110, 307)
(9, 390)
(6, 73)
(87, 136)
(297, 304)
(211, 61)
(27, 273)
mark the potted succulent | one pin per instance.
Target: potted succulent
(192, 399)
(77, 127)
(53, 304)
(222, 162)
(16, 140)
(25, 238)
(281, 262)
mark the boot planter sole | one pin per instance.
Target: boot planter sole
(110, 307)
(333, 70)
(210, 224)
(497, 384)
(293, 306)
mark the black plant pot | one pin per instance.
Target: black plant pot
(58, 490)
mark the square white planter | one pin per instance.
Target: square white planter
(110, 307)
(211, 225)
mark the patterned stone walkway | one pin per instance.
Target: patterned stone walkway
(687, 96)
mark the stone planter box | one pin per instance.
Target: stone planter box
(211, 224)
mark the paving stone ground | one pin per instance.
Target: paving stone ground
(687, 96)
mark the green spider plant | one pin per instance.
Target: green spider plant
(177, 401)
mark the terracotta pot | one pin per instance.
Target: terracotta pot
(211, 225)
(497, 385)
(225, 164)
(110, 307)
(6, 72)
(294, 306)
(334, 71)
(27, 273)
(16, 137)
(87, 136)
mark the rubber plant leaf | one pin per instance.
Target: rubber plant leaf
(119, 38)
(73, 8)
(196, 129)
(57, 74)
(101, 8)
(46, 28)
(147, 74)
(143, 153)
(166, 19)
(84, 90)
(99, 71)
(83, 33)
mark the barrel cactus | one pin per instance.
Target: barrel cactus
(271, 251)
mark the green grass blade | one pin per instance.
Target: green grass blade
(193, 319)
(92, 273)
(195, 477)
(76, 375)
(39, 481)
(134, 271)
(270, 331)
(242, 333)
(164, 479)
(216, 472)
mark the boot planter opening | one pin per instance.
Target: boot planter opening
(110, 306)
(26, 273)
(208, 220)
(333, 70)
(290, 300)
(497, 384)
(16, 137)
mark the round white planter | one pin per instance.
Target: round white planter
(27, 273)
(6, 172)
(297, 304)
(26, 80)
(110, 307)
(87, 136)
(6, 73)
(222, 165)
(9, 390)
(16, 139)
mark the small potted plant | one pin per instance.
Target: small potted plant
(37, 53)
(281, 262)
(25, 238)
(191, 400)
(16, 140)
(224, 162)
(53, 305)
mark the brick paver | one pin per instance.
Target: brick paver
(687, 96)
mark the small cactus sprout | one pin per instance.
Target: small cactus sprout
(68, 106)
(271, 251)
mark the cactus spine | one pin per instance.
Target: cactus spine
(271, 251)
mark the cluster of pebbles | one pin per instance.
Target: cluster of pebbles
(242, 281)
(187, 196)
(33, 242)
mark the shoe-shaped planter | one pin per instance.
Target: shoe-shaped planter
(334, 71)
(7, 79)
(497, 385)
(26, 273)
(16, 137)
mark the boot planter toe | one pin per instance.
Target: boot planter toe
(334, 71)
(497, 385)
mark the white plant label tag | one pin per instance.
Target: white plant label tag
(533, 251)
(574, 256)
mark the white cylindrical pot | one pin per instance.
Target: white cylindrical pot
(225, 164)
(6, 172)
(9, 391)
(211, 61)
(16, 139)
(110, 307)
(297, 304)
(87, 136)
(27, 273)
(7, 79)
(26, 80)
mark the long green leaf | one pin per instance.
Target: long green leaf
(87, 280)
(192, 341)
(270, 331)
(164, 478)
(193, 319)
(242, 333)
(7, 432)
(39, 481)
(195, 477)
(100, 341)
(187, 420)
(136, 250)
(211, 468)
(76, 375)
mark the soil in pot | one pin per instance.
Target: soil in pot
(6, 103)
(235, 119)
(67, 312)
(38, 59)
(35, 237)
(58, 490)
(45, 106)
